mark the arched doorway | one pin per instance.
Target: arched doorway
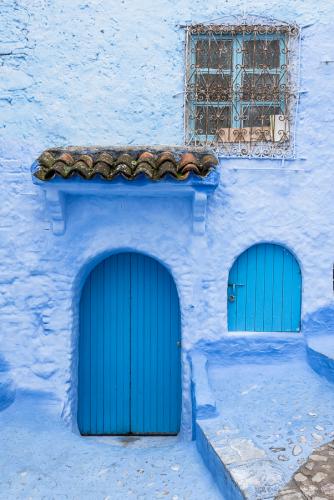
(129, 349)
(264, 290)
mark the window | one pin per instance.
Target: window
(239, 93)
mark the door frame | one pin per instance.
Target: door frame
(70, 409)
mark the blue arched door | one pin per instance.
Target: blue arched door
(264, 290)
(129, 349)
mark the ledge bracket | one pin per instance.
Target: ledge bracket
(199, 211)
(56, 207)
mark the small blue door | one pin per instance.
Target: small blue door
(264, 290)
(129, 349)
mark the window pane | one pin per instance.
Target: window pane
(209, 119)
(261, 54)
(213, 87)
(260, 87)
(259, 116)
(212, 53)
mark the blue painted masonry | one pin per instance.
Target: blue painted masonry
(112, 73)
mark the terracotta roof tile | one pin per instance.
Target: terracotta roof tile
(129, 162)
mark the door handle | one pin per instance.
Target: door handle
(178, 343)
(234, 285)
(232, 296)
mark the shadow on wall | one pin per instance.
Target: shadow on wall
(320, 322)
(319, 332)
(7, 390)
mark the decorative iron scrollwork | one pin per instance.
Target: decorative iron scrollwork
(241, 87)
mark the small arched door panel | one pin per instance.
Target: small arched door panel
(264, 290)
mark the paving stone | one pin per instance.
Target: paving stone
(309, 489)
(311, 480)
(300, 478)
(297, 450)
(328, 489)
(316, 436)
(276, 449)
(246, 449)
(304, 470)
(292, 496)
(318, 458)
(256, 474)
(318, 477)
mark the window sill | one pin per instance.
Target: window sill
(278, 165)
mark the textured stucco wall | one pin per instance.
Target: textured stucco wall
(109, 73)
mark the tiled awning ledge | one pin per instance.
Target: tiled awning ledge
(155, 163)
(127, 171)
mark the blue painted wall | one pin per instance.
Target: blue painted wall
(111, 73)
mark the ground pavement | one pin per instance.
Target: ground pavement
(271, 417)
(314, 480)
(42, 459)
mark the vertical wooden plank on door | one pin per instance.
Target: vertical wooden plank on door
(231, 298)
(296, 297)
(100, 354)
(116, 354)
(123, 343)
(269, 287)
(163, 333)
(84, 371)
(108, 371)
(95, 348)
(135, 353)
(251, 288)
(153, 350)
(144, 334)
(149, 388)
(241, 291)
(287, 291)
(142, 343)
(175, 359)
(278, 288)
(260, 286)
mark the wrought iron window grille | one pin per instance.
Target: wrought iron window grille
(241, 92)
